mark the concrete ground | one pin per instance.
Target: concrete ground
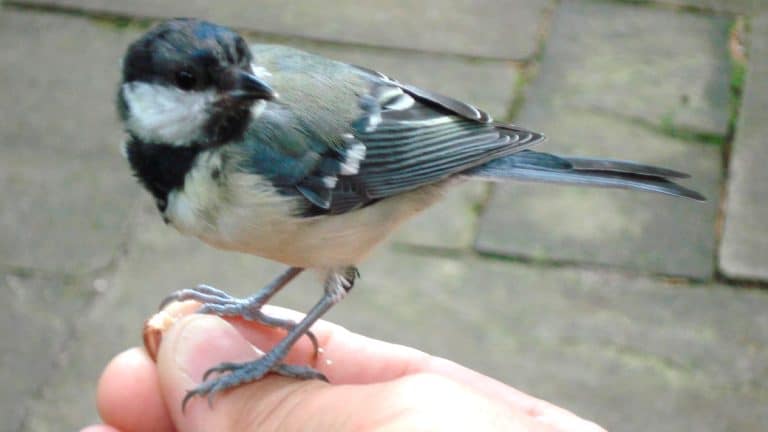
(638, 311)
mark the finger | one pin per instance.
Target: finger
(128, 394)
(350, 358)
(277, 403)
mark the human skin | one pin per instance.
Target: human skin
(376, 386)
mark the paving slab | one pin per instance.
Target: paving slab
(582, 114)
(664, 67)
(484, 28)
(36, 320)
(65, 187)
(631, 353)
(744, 248)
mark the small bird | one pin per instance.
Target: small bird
(272, 151)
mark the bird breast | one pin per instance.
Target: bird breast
(243, 212)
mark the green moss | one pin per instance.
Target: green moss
(668, 128)
(523, 78)
(121, 23)
(739, 29)
(738, 74)
(112, 21)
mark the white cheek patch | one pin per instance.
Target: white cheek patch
(164, 114)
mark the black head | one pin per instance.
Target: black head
(187, 82)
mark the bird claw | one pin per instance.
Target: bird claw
(218, 302)
(202, 293)
(300, 372)
(240, 373)
(220, 368)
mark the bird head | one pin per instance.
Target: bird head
(190, 82)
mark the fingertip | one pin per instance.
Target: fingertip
(190, 347)
(128, 394)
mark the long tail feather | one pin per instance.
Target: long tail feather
(543, 167)
(580, 163)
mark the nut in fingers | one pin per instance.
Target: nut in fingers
(162, 321)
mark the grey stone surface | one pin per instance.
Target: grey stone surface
(36, 321)
(449, 224)
(583, 98)
(646, 232)
(66, 189)
(744, 248)
(631, 353)
(667, 68)
(485, 28)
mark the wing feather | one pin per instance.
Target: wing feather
(426, 142)
(405, 138)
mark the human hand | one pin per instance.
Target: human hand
(376, 386)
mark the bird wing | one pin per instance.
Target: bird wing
(399, 137)
(454, 106)
(414, 138)
(407, 138)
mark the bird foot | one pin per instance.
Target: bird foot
(235, 374)
(218, 302)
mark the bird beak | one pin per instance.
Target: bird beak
(253, 86)
(241, 85)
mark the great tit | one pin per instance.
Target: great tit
(272, 151)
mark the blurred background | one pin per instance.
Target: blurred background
(640, 312)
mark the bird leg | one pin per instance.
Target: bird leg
(234, 374)
(218, 302)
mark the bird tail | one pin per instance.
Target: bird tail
(543, 167)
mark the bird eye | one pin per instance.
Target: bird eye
(185, 79)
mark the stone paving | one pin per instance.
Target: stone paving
(594, 96)
(638, 311)
(743, 253)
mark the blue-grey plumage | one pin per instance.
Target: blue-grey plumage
(308, 161)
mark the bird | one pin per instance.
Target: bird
(272, 151)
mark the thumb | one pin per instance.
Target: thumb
(198, 342)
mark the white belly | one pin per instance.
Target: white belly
(244, 213)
